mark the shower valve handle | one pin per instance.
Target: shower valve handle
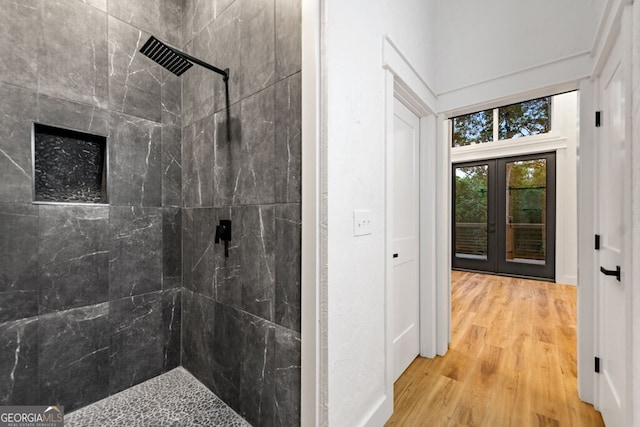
(223, 232)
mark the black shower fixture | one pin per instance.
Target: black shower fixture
(178, 62)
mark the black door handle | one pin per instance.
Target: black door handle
(395, 255)
(615, 272)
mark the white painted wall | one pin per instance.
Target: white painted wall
(563, 139)
(492, 49)
(354, 133)
(635, 216)
(433, 36)
(411, 26)
(478, 41)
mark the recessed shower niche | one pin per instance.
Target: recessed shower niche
(69, 166)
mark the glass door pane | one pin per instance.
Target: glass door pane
(526, 207)
(526, 225)
(471, 197)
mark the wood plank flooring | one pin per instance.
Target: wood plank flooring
(511, 362)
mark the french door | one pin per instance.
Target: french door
(504, 216)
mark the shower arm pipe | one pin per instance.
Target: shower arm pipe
(225, 76)
(224, 73)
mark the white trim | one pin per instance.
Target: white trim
(404, 83)
(428, 227)
(314, 380)
(443, 234)
(546, 79)
(608, 29)
(420, 94)
(511, 147)
(586, 230)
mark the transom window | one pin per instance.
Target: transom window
(526, 118)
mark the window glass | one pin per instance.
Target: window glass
(526, 202)
(525, 118)
(471, 211)
(474, 128)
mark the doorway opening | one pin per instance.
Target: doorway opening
(503, 215)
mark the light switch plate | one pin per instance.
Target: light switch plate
(361, 222)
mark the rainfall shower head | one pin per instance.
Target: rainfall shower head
(166, 56)
(178, 62)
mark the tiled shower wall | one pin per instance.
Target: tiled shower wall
(90, 296)
(241, 314)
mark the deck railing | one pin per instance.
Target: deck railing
(524, 241)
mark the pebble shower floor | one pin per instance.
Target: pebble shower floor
(175, 398)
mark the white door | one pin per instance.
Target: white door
(406, 133)
(613, 227)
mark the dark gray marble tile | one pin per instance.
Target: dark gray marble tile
(171, 327)
(171, 283)
(16, 305)
(17, 111)
(198, 148)
(199, 247)
(72, 63)
(230, 170)
(199, 98)
(187, 247)
(227, 273)
(18, 261)
(258, 141)
(134, 80)
(198, 322)
(73, 349)
(171, 166)
(98, 4)
(19, 362)
(244, 172)
(288, 37)
(287, 377)
(135, 160)
(228, 354)
(18, 102)
(287, 254)
(258, 261)
(160, 17)
(288, 148)
(137, 340)
(171, 95)
(135, 102)
(73, 254)
(223, 38)
(221, 6)
(172, 242)
(257, 45)
(197, 15)
(18, 22)
(257, 397)
(68, 114)
(135, 263)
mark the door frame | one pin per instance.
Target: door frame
(405, 85)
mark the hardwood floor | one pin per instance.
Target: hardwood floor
(512, 360)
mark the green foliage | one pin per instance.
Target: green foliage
(527, 191)
(473, 128)
(525, 118)
(516, 120)
(471, 194)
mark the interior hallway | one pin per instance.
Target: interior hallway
(511, 362)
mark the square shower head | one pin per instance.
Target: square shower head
(165, 56)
